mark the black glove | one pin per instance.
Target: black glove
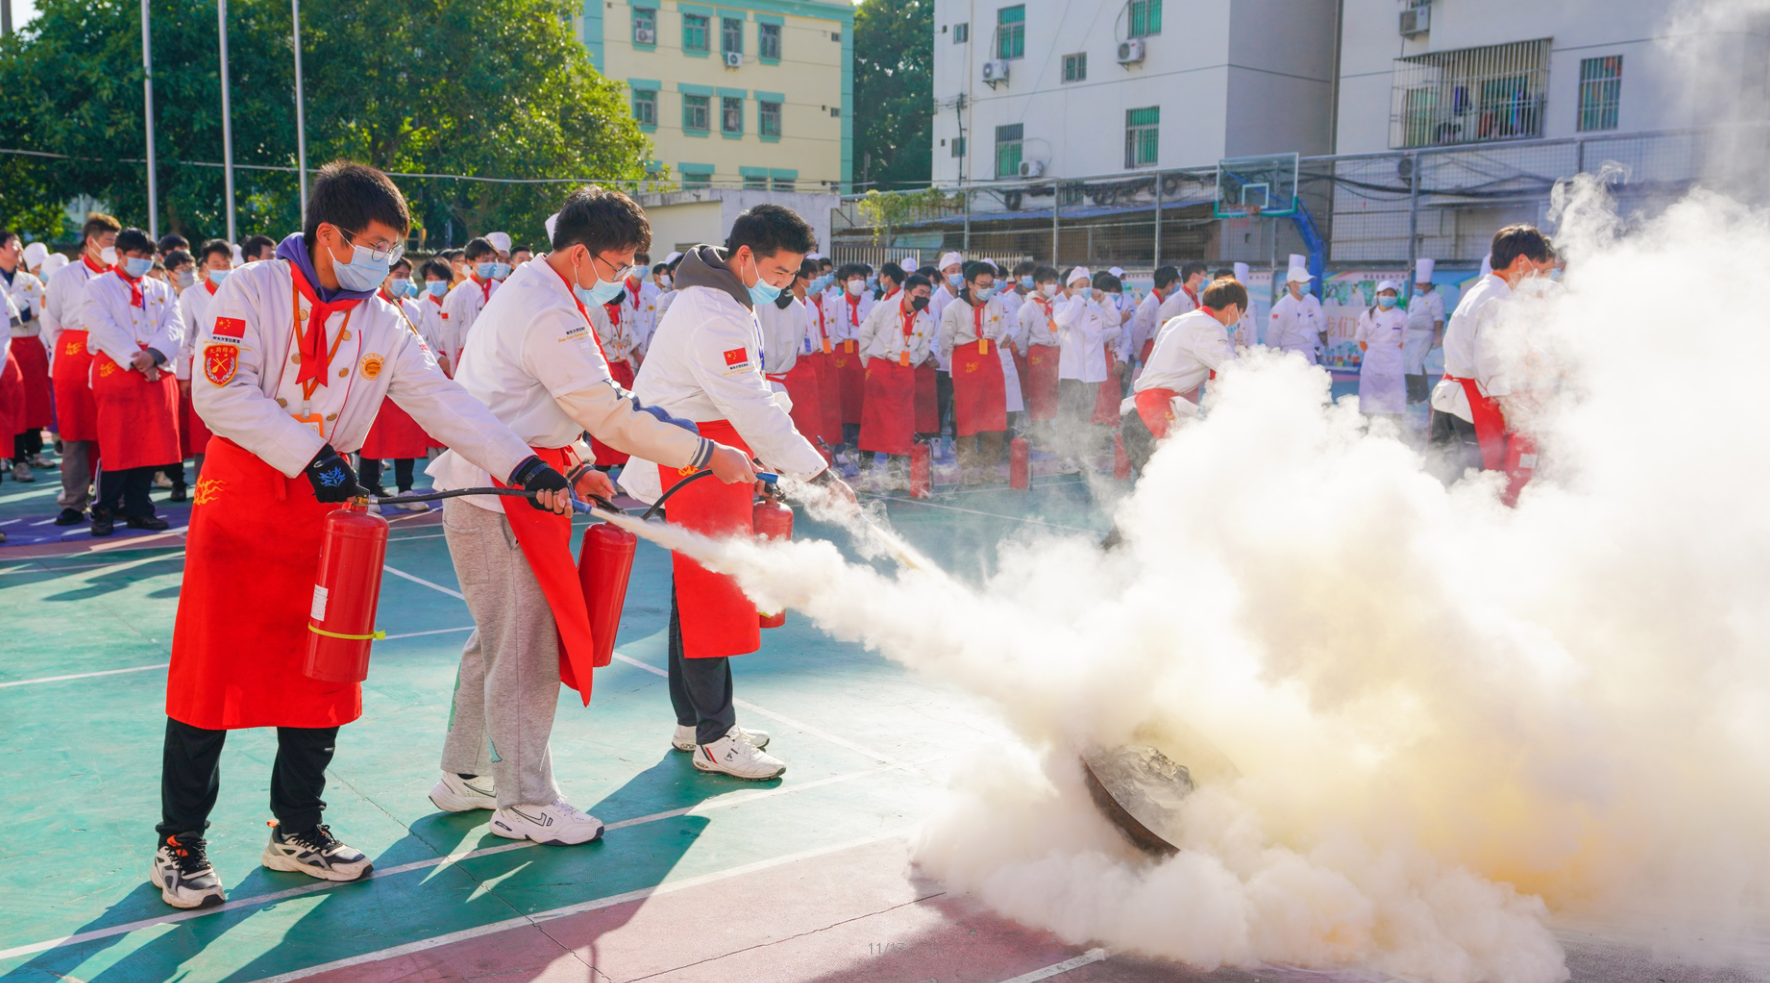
(333, 480)
(534, 475)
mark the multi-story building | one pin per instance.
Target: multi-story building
(748, 94)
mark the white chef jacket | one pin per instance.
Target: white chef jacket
(65, 309)
(1036, 325)
(957, 326)
(882, 335)
(1425, 309)
(29, 297)
(1296, 324)
(1469, 351)
(1187, 350)
(845, 314)
(120, 329)
(254, 313)
(1147, 320)
(430, 324)
(1011, 303)
(640, 315)
(461, 309)
(619, 341)
(706, 365)
(1082, 329)
(193, 313)
(942, 296)
(665, 299)
(783, 335)
(1177, 303)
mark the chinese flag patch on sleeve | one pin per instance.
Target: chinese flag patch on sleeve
(230, 327)
(737, 356)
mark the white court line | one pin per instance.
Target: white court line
(45, 522)
(541, 916)
(433, 862)
(1088, 958)
(420, 580)
(9, 522)
(993, 515)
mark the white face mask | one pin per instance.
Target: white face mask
(108, 255)
(1047, 289)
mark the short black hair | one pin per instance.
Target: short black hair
(520, 249)
(822, 261)
(6, 236)
(402, 261)
(134, 240)
(928, 271)
(661, 268)
(1166, 276)
(179, 257)
(849, 271)
(890, 271)
(1106, 282)
(976, 268)
(1224, 272)
(252, 245)
(1047, 274)
(217, 247)
(769, 229)
(1024, 267)
(436, 268)
(349, 196)
(601, 219)
(1224, 291)
(1524, 240)
(915, 280)
(173, 241)
(807, 267)
(450, 255)
(1196, 266)
(97, 224)
(479, 247)
(642, 258)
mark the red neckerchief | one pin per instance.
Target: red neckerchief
(1194, 296)
(633, 291)
(316, 356)
(390, 300)
(92, 265)
(613, 308)
(977, 320)
(853, 308)
(209, 285)
(134, 288)
(1159, 296)
(581, 310)
(1042, 302)
(485, 287)
(434, 298)
(909, 317)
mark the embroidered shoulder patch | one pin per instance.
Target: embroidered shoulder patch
(220, 362)
(372, 364)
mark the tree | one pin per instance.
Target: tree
(894, 93)
(423, 86)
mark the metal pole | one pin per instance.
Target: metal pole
(227, 125)
(965, 196)
(1158, 222)
(300, 110)
(1056, 193)
(147, 91)
(1413, 221)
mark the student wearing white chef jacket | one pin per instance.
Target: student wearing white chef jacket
(485, 274)
(1146, 321)
(1194, 277)
(947, 283)
(1188, 352)
(429, 304)
(706, 366)
(215, 264)
(1425, 330)
(639, 303)
(972, 330)
(294, 363)
(783, 334)
(70, 364)
(534, 360)
(1382, 331)
(846, 310)
(37, 407)
(135, 335)
(1083, 327)
(897, 342)
(1040, 346)
(1298, 324)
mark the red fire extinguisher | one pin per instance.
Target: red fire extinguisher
(341, 623)
(921, 475)
(1520, 466)
(772, 520)
(1019, 464)
(605, 562)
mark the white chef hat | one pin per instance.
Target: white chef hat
(1079, 273)
(1383, 285)
(909, 264)
(239, 257)
(1487, 264)
(948, 259)
(1298, 274)
(1116, 271)
(552, 220)
(1241, 273)
(673, 257)
(35, 254)
(1298, 260)
(54, 262)
(499, 240)
(1423, 271)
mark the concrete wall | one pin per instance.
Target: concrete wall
(685, 218)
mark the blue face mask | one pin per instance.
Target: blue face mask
(956, 279)
(486, 271)
(1385, 302)
(216, 276)
(137, 266)
(399, 288)
(436, 288)
(983, 293)
(363, 273)
(1026, 283)
(763, 293)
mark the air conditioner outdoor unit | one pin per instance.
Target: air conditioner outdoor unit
(734, 59)
(1131, 52)
(1032, 168)
(995, 71)
(645, 35)
(1416, 20)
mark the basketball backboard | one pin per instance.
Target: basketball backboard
(1255, 186)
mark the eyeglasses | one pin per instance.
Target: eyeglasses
(380, 251)
(621, 272)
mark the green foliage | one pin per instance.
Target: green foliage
(894, 93)
(421, 86)
(882, 211)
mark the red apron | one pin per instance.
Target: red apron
(888, 426)
(395, 435)
(1108, 395)
(546, 541)
(241, 630)
(804, 384)
(1148, 346)
(137, 419)
(854, 381)
(75, 413)
(927, 399)
(193, 433)
(717, 619)
(980, 395)
(1490, 424)
(1155, 407)
(12, 402)
(1041, 381)
(33, 362)
(606, 456)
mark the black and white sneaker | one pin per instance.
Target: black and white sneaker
(316, 853)
(182, 872)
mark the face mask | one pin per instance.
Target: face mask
(664, 281)
(956, 279)
(436, 288)
(1048, 290)
(1083, 293)
(983, 293)
(855, 287)
(784, 301)
(362, 274)
(216, 276)
(1385, 302)
(188, 278)
(137, 266)
(108, 255)
(399, 287)
(918, 303)
(873, 282)
(763, 292)
(601, 293)
(1026, 283)
(487, 271)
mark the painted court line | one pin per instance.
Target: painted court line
(451, 859)
(993, 515)
(1088, 958)
(420, 580)
(538, 917)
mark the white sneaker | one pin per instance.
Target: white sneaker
(554, 824)
(452, 793)
(161, 481)
(316, 853)
(738, 758)
(685, 738)
(410, 506)
(182, 872)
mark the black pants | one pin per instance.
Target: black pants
(1417, 389)
(700, 689)
(1451, 447)
(943, 400)
(27, 443)
(190, 777)
(1139, 441)
(370, 474)
(125, 491)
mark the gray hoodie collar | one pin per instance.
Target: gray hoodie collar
(705, 266)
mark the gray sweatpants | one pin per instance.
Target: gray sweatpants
(76, 474)
(508, 684)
